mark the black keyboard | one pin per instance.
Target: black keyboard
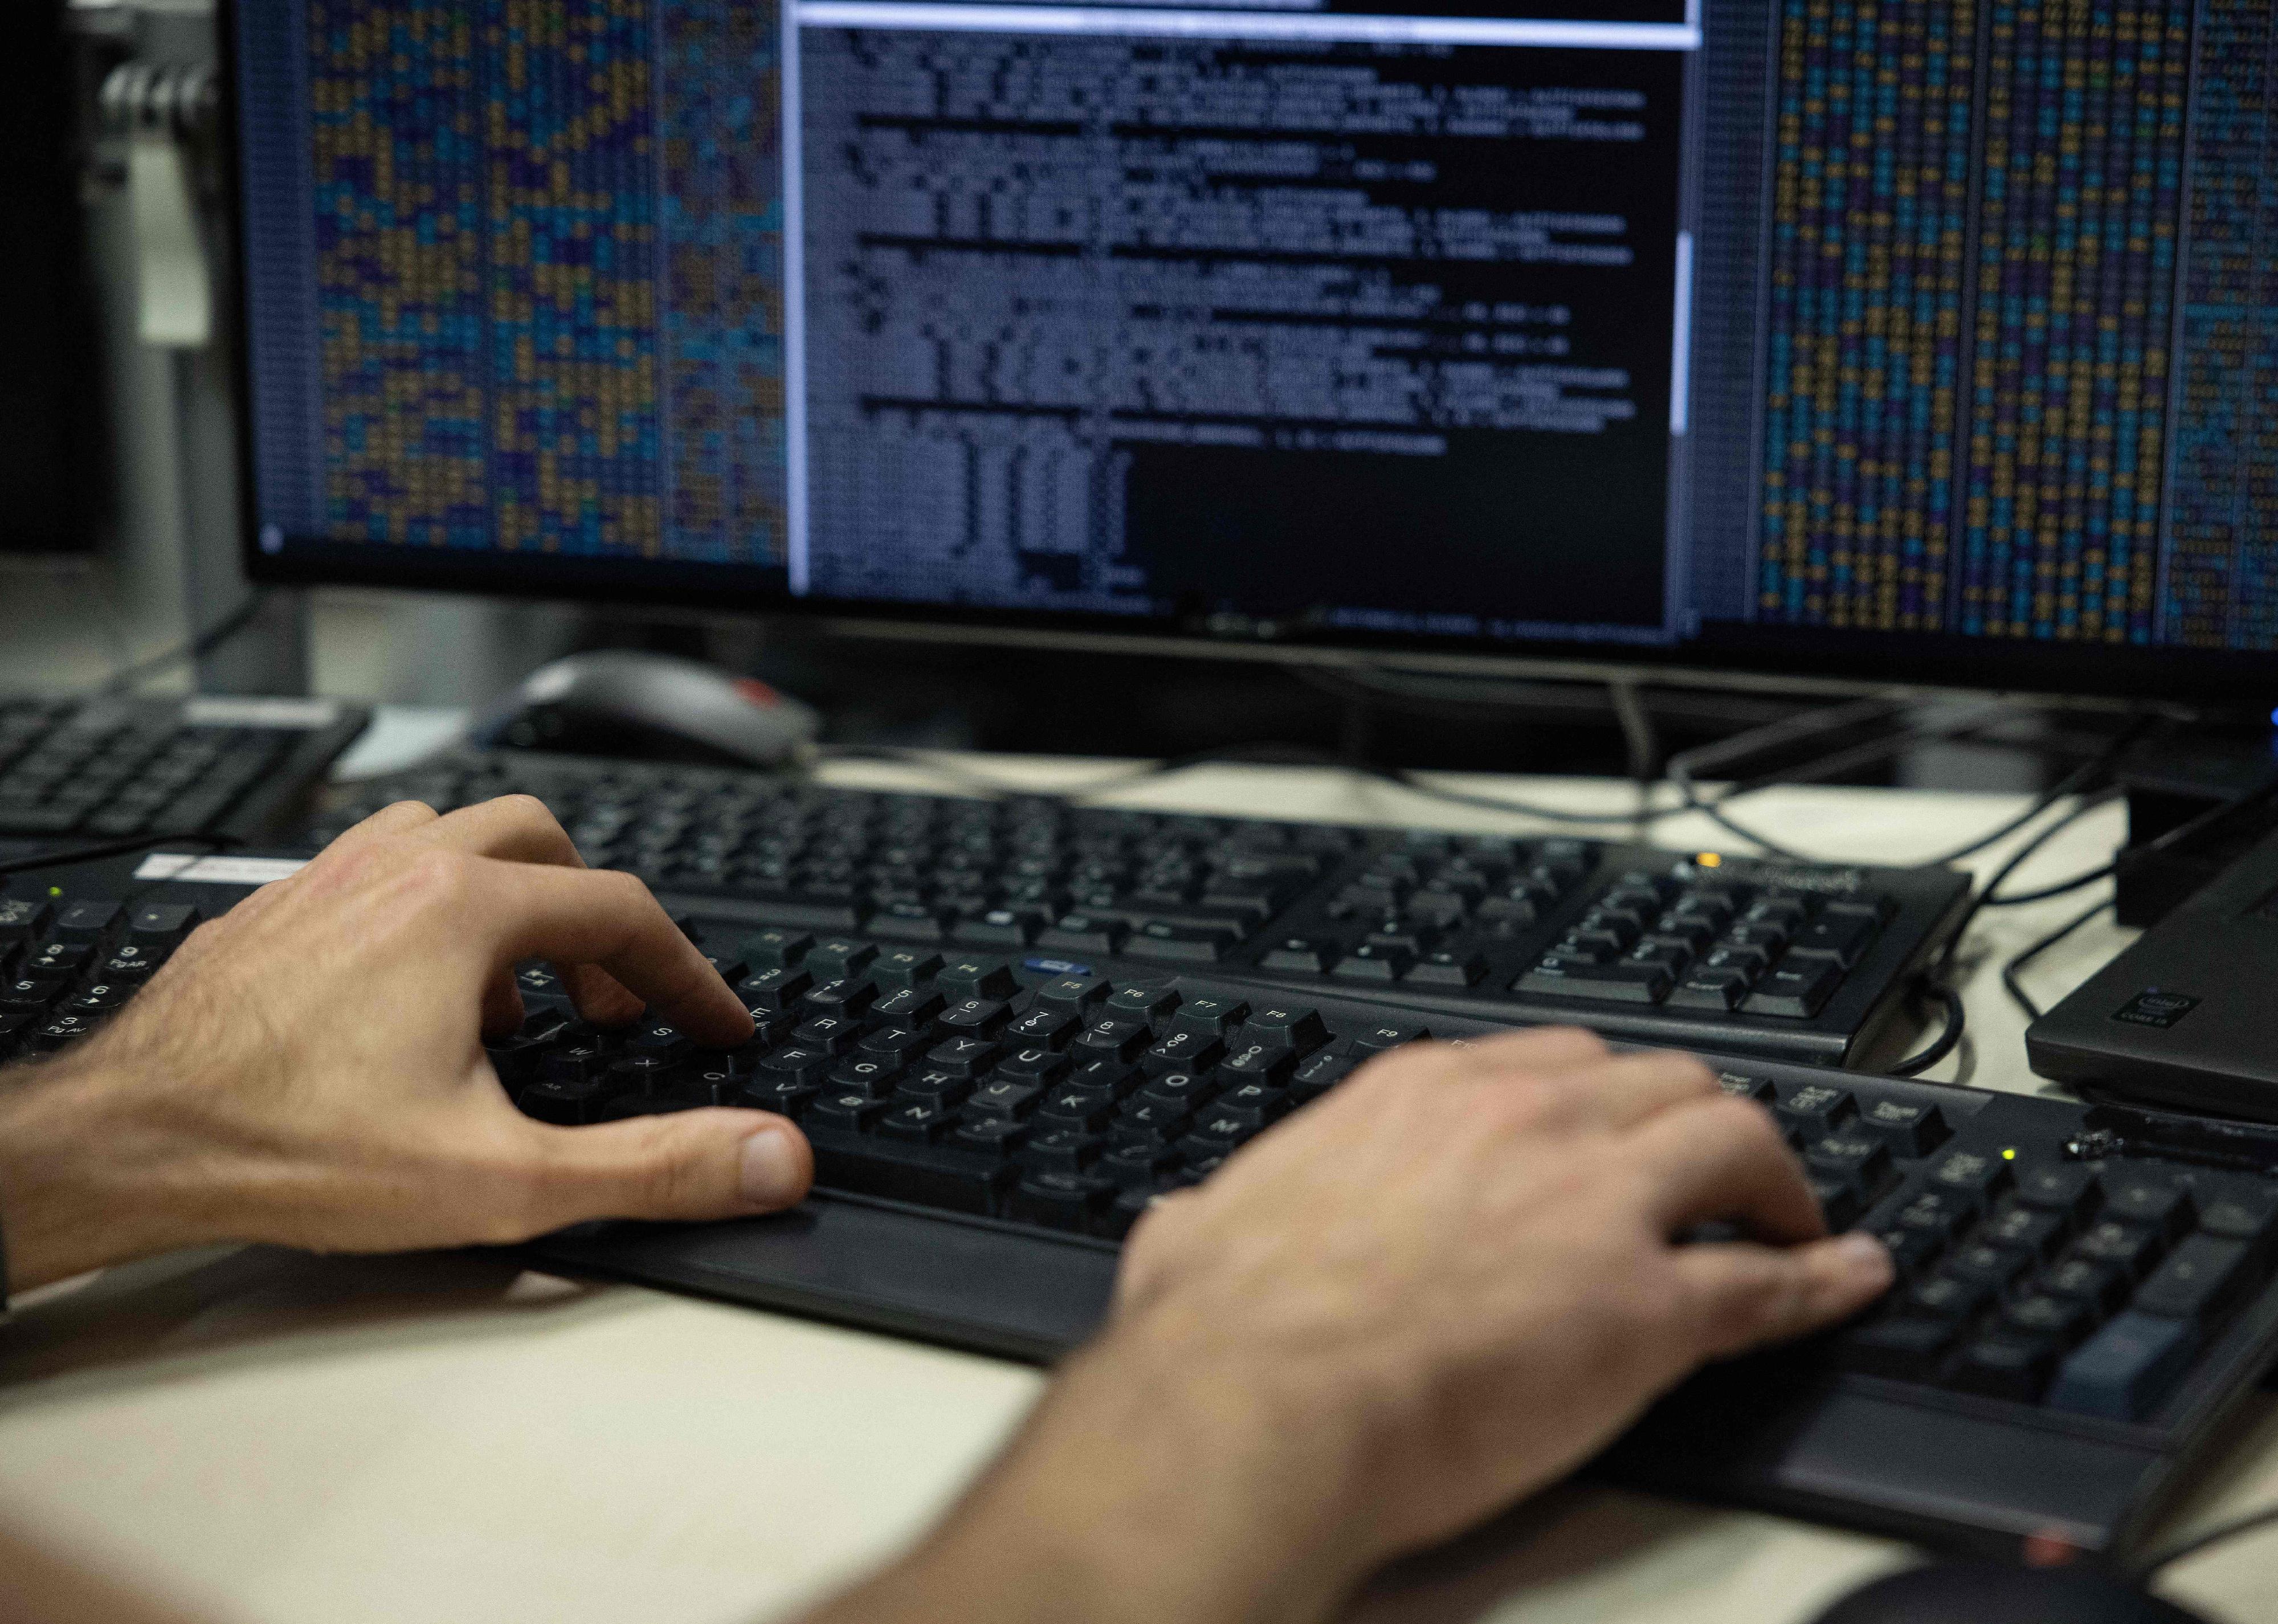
(2085, 1294)
(87, 770)
(1805, 961)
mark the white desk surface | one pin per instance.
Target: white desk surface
(262, 1436)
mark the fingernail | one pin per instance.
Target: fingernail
(1865, 1257)
(770, 1174)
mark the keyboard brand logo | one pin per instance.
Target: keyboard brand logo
(2153, 1008)
(1828, 881)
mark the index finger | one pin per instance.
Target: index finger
(608, 919)
(1723, 1158)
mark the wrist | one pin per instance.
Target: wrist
(1157, 1479)
(86, 1180)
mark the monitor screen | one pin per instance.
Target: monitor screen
(1933, 339)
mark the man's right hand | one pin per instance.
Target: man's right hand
(1436, 1290)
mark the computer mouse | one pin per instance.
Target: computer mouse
(649, 707)
(1995, 1593)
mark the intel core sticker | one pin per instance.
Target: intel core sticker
(2153, 1008)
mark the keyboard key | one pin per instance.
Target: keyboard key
(775, 949)
(2100, 1285)
(2004, 1368)
(1936, 1212)
(989, 1138)
(89, 922)
(1058, 1149)
(1795, 992)
(794, 1063)
(1862, 1158)
(1216, 1136)
(1971, 1173)
(1160, 940)
(1257, 1062)
(1107, 1038)
(1183, 1050)
(1946, 1296)
(1081, 933)
(1840, 938)
(1209, 1016)
(1384, 1038)
(1184, 1088)
(2124, 1369)
(1071, 995)
(62, 959)
(2149, 1200)
(988, 980)
(1031, 1064)
(945, 1088)
(865, 1075)
(1708, 989)
(2069, 1191)
(1061, 1200)
(957, 1175)
(2039, 1233)
(1815, 1108)
(1296, 1027)
(2121, 1247)
(1316, 1075)
(1909, 1129)
(1310, 954)
(24, 918)
(1144, 1001)
(161, 925)
(2061, 1321)
(901, 970)
(1152, 1120)
(1002, 1097)
(773, 989)
(1088, 1109)
(2199, 1279)
(1137, 1162)
(1622, 983)
(974, 1017)
(847, 996)
(2241, 1216)
(31, 993)
(1988, 1264)
(1904, 1350)
(845, 1110)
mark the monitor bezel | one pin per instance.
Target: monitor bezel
(1806, 660)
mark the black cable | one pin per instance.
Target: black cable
(2016, 990)
(190, 648)
(1956, 1020)
(2181, 833)
(2243, 1524)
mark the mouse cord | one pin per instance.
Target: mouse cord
(2146, 1569)
(2009, 971)
(1945, 1042)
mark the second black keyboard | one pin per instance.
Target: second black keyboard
(1808, 962)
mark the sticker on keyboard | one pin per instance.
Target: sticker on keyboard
(260, 712)
(216, 870)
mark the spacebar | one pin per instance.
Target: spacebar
(928, 1175)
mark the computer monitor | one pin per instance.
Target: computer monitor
(1920, 340)
(53, 462)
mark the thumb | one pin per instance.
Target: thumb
(1748, 1295)
(683, 1165)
